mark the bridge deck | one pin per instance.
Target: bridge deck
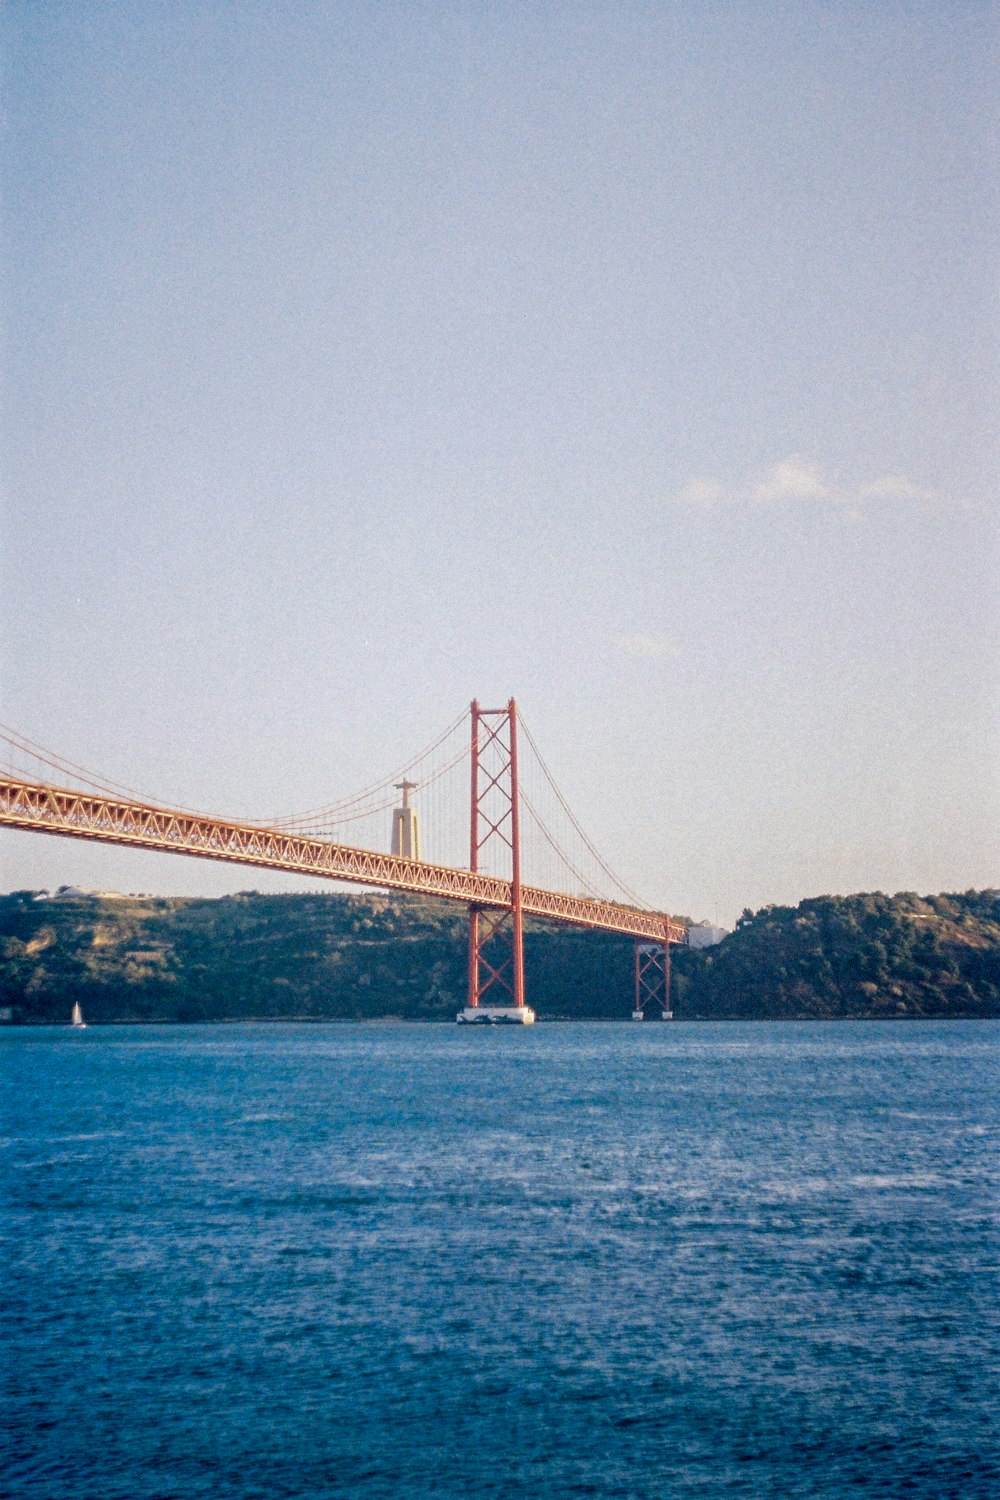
(87, 815)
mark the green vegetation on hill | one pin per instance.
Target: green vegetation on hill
(335, 956)
(865, 955)
(351, 957)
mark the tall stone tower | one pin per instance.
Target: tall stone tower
(406, 824)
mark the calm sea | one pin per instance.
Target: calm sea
(401, 1261)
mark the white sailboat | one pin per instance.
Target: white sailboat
(77, 1017)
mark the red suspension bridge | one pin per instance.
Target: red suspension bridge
(492, 817)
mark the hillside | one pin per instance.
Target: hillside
(335, 956)
(278, 957)
(864, 955)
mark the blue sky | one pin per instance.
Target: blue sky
(635, 359)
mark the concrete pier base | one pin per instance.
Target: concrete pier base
(496, 1015)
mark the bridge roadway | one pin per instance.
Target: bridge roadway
(42, 808)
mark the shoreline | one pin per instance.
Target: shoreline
(160, 1021)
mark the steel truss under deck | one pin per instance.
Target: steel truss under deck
(87, 815)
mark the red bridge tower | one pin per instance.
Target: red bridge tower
(496, 937)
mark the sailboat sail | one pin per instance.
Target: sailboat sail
(77, 1017)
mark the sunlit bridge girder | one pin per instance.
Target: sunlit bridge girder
(43, 808)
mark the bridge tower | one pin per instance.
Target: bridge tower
(496, 937)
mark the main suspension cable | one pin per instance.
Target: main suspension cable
(376, 786)
(25, 746)
(584, 881)
(633, 898)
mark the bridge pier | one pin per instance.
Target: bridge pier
(652, 977)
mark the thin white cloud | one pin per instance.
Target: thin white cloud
(648, 646)
(794, 478)
(800, 481)
(704, 494)
(895, 487)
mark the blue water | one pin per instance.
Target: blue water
(654, 1261)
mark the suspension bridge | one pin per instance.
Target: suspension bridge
(501, 837)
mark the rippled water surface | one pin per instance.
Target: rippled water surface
(377, 1261)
